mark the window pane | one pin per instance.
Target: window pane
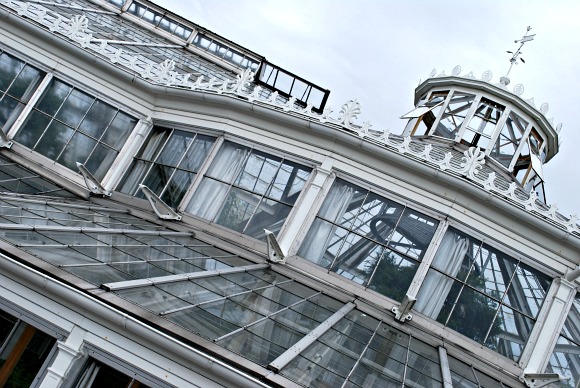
(97, 119)
(32, 129)
(78, 150)
(54, 140)
(53, 97)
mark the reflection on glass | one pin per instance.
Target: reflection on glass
(66, 125)
(454, 115)
(167, 164)
(565, 359)
(482, 293)
(248, 190)
(18, 81)
(369, 239)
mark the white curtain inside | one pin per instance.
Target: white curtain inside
(210, 195)
(321, 233)
(436, 286)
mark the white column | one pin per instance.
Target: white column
(68, 352)
(303, 210)
(125, 157)
(547, 329)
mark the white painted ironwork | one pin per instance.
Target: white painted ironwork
(92, 183)
(537, 380)
(309, 339)
(275, 253)
(180, 277)
(545, 333)
(4, 141)
(163, 210)
(402, 312)
(163, 73)
(444, 364)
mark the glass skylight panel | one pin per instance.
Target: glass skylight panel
(221, 50)
(248, 190)
(482, 293)
(159, 20)
(369, 239)
(361, 351)
(18, 81)
(288, 84)
(16, 179)
(70, 126)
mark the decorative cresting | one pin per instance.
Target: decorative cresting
(487, 76)
(469, 165)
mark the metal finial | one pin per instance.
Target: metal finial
(516, 55)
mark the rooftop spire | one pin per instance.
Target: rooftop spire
(516, 55)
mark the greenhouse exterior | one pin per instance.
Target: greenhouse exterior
(177, 211)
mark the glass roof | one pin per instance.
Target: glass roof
(248, 308)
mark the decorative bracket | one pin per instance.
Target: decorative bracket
(4, 141)
(163, 210)
(275, 253)
(92, 183)
(537, 380)
(402, 312)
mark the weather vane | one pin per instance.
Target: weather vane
(516, 55)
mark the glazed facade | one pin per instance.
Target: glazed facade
(390, 277)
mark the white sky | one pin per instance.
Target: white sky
(377, 51)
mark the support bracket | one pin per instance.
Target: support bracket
(92, 183)
(4, 141)
(537, 380)
(275, 253)
(402, 312)
(163, 210)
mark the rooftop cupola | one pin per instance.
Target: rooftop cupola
(480, 113)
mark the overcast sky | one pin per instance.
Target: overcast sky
(378, 51)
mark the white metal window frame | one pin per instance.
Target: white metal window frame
(497, 131)
(48, 163)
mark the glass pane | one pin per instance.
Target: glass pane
(134, 177)
(54, 140)
(237, 209)
(158, 178)
(25, 84)
(413, 234)
(509, 139)
(75, 108)
(78, 150)
(97, 119)
(322, 243)
(527, 290)
(269, 215)
(491, 271)
(454, 115)
(229, 162)
(258, 172)
(358, 258)
(32, 129)
(53, 97)
(177, 187)
(197, 153)
(152, 299)
(10, 68)
(119, 130)
(9, 109)
(393, 276)
(342, 203)
(473, 315)
(100, 160)
(175, 148)
(509, 333)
